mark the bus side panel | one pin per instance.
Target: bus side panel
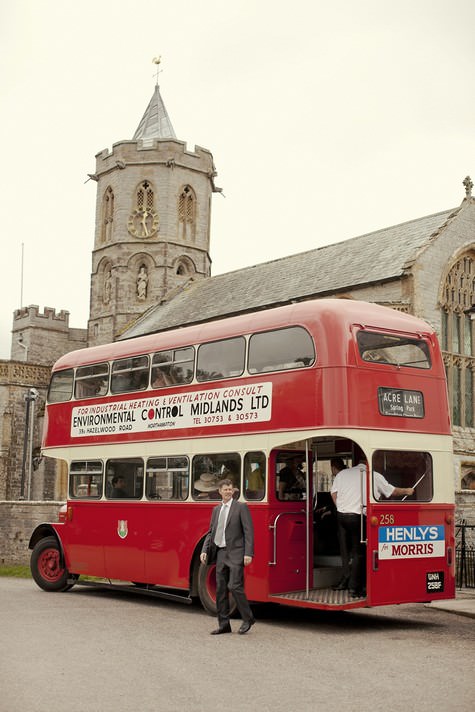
(172, 531)
(411, 553)
(82, 539)
(121, 524)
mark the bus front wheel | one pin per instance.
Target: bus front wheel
(207, 590)
(47, 568)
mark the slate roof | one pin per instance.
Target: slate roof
(376, 257)
(155, 123)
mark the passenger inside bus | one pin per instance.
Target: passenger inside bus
(255, 483)
(90, 387)
(292, 479)
(206, 486)
(118, 488)
(326, 532)
(160, 378)
(229, 471)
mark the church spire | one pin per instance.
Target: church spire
(155, 123)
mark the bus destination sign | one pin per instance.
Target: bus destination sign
(217, 406)
(401, 403)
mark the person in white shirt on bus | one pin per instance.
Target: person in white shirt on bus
(346, 491)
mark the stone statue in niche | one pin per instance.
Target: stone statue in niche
(142, 282)
(107, 287)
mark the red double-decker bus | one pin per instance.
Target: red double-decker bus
(147, 428)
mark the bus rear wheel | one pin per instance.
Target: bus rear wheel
(207, 590)
(47, 568)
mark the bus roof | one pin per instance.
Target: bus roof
(307, 313)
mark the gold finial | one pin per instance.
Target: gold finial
(468, 183)
(157, 60)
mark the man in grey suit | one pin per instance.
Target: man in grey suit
(231, 540)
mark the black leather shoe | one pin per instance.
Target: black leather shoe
(221, 630)
(355, 594)
(246, 626)
(342, 585)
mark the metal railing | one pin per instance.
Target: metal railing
(464, 555)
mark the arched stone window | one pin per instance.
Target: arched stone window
(107, 215)
(457, 338)
(184, 267)
(187, 214)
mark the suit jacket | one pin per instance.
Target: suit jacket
(239, 533)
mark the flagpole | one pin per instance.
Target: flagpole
(21, 275)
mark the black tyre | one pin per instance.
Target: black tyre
(207, 590)
(47, 568)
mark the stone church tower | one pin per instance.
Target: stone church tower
(152, 229)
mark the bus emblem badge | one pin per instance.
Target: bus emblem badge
(122, 530)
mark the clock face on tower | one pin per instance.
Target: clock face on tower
(143, 223)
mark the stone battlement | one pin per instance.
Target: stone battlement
(169, 151)
(32, 316)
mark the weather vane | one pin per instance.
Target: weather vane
(157, 60)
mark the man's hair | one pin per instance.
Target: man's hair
(337, 462)
(225, 483)
(116, 479)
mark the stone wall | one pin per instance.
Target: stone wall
(17, 522)
(16, 379)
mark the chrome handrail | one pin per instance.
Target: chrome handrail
(274, 527)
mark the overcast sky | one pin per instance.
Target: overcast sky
(326, 120)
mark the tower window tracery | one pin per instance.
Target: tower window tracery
(187, 214)
(457, 339)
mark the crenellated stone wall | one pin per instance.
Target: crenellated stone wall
(42, 337)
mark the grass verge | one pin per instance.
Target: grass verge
(17, 571)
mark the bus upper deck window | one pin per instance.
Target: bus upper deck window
(129, 374)
(221, 359)
(92, 380)
(280, 349)
(172, 367)
(393, 349)
(61, 386)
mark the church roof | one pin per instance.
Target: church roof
(155, 123)
(376, 257)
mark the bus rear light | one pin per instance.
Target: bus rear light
(374, 521)
(70, 514)
(449, 519)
